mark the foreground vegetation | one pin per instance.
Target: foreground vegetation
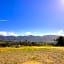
(32, 55)
(23, 43)
(58, 42)
(28, 52)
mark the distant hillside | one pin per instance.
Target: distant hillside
(30, 37)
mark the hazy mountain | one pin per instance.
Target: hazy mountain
(30, 37)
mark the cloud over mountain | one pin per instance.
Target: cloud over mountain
(4, 33)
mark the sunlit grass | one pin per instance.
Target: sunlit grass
(30, 48)
(31, 62)
(32, 55)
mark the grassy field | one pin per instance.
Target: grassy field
(32, 55)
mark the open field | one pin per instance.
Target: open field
(32, 55)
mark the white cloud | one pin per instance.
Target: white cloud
(32, 33)
(28, 33)
(60, 33)
(36, 33)
(12, 34)
(8, 33)
(3, 20)
(3, 33)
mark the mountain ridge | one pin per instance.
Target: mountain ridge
(29, 37)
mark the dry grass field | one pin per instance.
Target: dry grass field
(32, 55)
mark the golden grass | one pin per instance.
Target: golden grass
(32, 55)
(31, 62)
(30, 47)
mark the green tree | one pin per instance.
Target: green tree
(60, 41)
(8, 44)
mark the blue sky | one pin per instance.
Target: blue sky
(31, 16)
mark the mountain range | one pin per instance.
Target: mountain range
(30, 37)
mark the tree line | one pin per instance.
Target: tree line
(59, 40)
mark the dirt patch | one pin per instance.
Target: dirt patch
(31, 62)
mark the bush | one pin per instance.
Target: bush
(60, 41)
